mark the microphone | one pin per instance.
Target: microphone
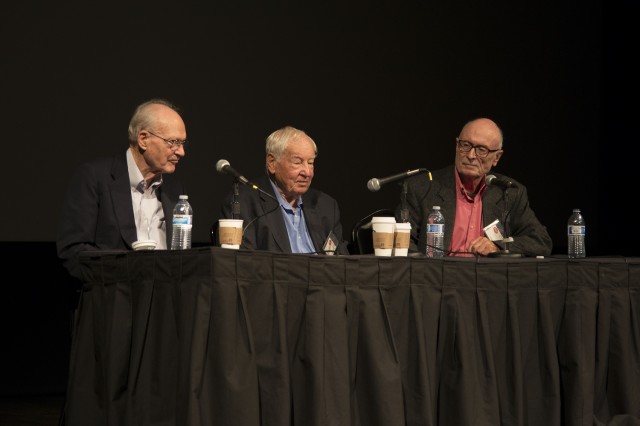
(374, 184)
(223, 166)
(492, 180)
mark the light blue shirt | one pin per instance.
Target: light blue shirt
(299, 237)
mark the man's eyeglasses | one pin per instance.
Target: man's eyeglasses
(173, 143)
(481, 151)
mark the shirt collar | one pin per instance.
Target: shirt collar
(136, 180)
(284, 203)
(463, 191)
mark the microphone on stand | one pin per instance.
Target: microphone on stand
(374, 184)
(223, 166)
(492, 180)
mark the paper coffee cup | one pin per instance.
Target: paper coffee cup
(402, 238)
(230, 233)
(383, 235)
(144, 245)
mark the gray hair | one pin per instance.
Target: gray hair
(143, 119)
(278, 141)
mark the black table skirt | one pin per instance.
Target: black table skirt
(212, 336)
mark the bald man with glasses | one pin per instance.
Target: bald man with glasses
(470, 204)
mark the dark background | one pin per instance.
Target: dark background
(382, 87)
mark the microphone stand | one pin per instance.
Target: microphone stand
(507, 239)
(404, 212)
(235, 203)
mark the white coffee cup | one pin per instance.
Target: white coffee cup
(383, 235)
(144, 245)
(230, 233)
(402, 238)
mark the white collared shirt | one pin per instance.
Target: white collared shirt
(147, 208)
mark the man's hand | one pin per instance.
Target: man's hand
(482, 246)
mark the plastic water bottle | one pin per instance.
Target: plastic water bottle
(182, 224)
(576, 232)
(435, 233)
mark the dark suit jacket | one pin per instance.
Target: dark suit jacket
(264, 225)
(97, 211)
(520, 222)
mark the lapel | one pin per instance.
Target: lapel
(275, 222)
(314, 224)
(121, 198)
(493, 206)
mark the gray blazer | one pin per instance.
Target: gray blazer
(520, 222)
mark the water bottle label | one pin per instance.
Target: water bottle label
(576, 230)
(436, 228)
(182, 219)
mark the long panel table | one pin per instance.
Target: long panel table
(210, 336)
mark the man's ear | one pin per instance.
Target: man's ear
(271, 163)
(142, 141)
(497, 158)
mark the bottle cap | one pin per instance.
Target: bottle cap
(184, 197)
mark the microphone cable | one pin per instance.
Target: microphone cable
(258, 217)
(453, 252)
(319, 252)
(271, 211)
